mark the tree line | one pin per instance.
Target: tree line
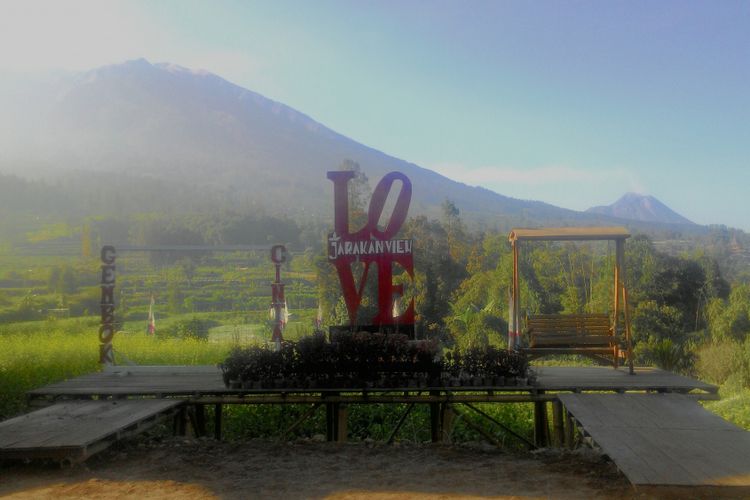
(680, 304)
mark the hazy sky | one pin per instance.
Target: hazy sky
(573, 103)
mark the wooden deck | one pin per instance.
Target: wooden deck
(629, 428)
(205, 382)
(665, 440)
(600, 378)
(74, 430)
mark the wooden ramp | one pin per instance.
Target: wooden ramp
(75, 430)
(665, 440)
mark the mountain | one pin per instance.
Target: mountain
(177, 139)
(638, 207)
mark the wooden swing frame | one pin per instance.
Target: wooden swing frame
(593, 335)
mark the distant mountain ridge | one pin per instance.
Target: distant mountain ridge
(200, 135)
(639, 207)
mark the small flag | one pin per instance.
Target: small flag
(151, 318)
(285, 315)
(319, 317)
(396, 312)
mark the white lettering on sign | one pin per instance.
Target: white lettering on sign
(339, 248)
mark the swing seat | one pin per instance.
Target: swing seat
(585, 334)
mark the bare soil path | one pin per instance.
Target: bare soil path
(204, 468)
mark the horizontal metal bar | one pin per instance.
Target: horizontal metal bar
(385, 399)
(377, 399)
(192, 248)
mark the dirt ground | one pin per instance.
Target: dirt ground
(187, 468)
(204, 468)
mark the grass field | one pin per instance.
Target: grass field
(37, 353)
(43, 352)
(733, 407)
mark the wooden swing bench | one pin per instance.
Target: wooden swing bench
(593, 335)
(589, 335)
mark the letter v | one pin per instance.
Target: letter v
(352, 293)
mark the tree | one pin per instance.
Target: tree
(641, 265)
(730, 319)
(174, 298)
(438, 274)
(678, 283)
(459, 245)
(359, 193)
(62, 279)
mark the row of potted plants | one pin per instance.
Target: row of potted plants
(370, 360)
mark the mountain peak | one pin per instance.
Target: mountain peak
(640, 207)
(194, 128)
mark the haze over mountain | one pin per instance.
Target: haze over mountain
(639, 207)
(197, 133)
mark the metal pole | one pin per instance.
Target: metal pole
(278, 256)
(515, 320)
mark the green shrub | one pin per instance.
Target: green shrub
(714, 361)
(720, 362)
(193, 328)
(376, 359)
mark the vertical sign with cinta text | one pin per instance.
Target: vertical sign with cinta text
(370, 245)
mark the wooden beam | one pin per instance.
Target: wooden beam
(487, 435)
(446, 422)
(501, 425)
(401, 421)
(541, 431)
(331, 422)
(382, 399)
(200, 419)
(557, 424)
(516, 319)
(570, 430)
(617, 233)
(435, 417)
(307, 414)
(342, 423)
(217, 421)
(628, 338)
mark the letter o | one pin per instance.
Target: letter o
(377, 204)
(108, 254)
(278, 254)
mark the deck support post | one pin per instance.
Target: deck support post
(180, 422)
(446, 422)
(336, 421)
(342, 428)
(200, 420)
(557, 424)
(435, 419)
(540, 423)
(331, 421)
(570, 431)
(217, 421)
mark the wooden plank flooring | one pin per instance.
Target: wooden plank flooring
(664, 439)
(77, 429)
(598, 378)
(206, 380)
(140, 380)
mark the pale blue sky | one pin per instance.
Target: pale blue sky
(573, 103)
